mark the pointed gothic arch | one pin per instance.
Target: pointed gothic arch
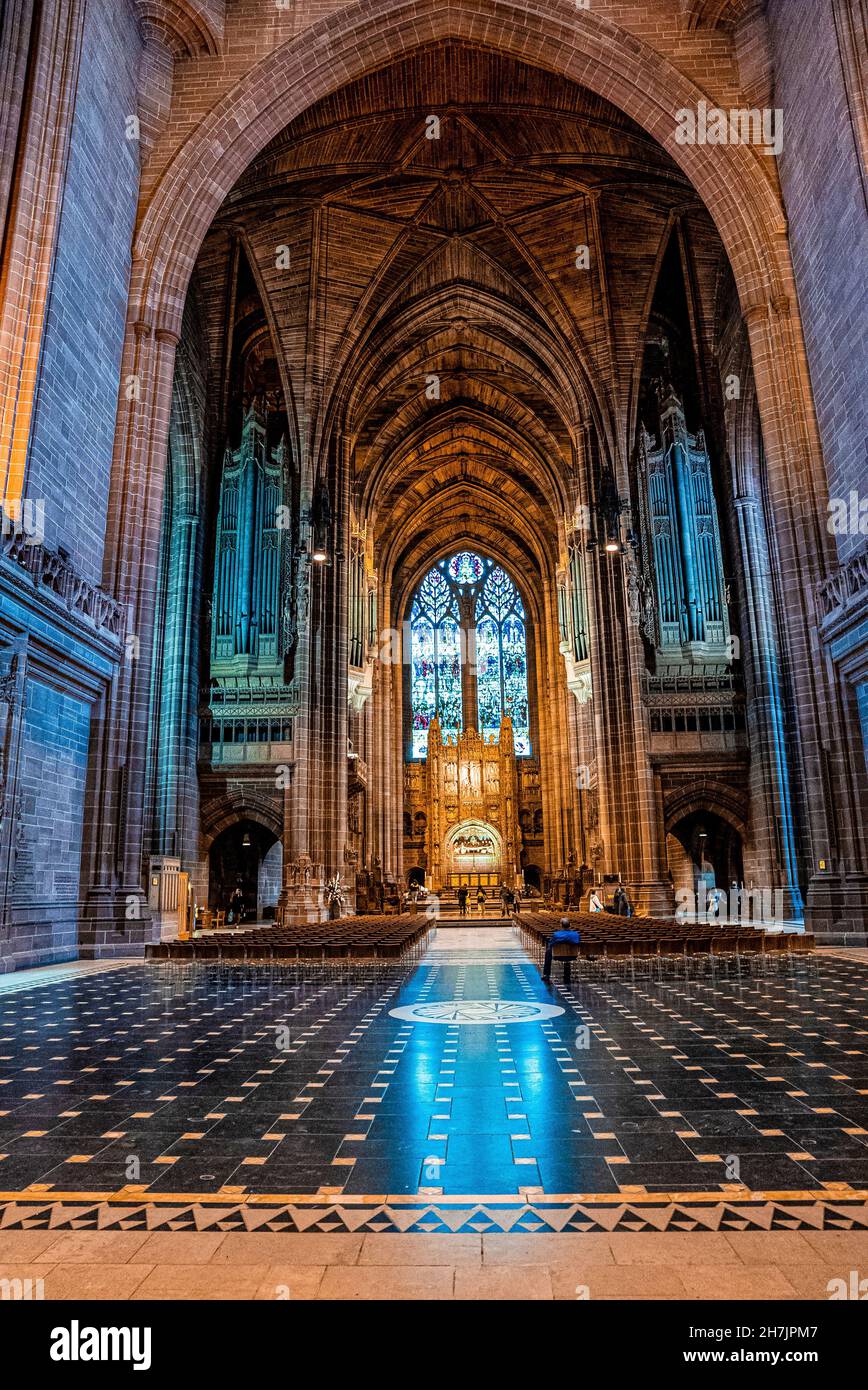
(580, 44)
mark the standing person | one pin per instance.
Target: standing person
(594, 903)
(621, 903)
(480, 899)
(462, 901)
(236, 906)
(516, 900)
(505, 897)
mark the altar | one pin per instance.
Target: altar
(464, 798)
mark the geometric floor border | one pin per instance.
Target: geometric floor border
(429, 1218)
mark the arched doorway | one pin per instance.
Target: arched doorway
(532, 880)
(704, 852)
(474, 855)
(245, 858)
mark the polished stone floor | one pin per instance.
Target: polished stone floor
(190, 1133)
(463, 1077)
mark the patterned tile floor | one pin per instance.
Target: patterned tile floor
(464, 1077)
(255, 1134)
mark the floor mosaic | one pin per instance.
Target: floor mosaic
(460, 1093)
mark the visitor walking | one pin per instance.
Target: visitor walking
(462, 901)
(480, 900)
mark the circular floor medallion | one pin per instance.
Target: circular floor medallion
(465, 1011)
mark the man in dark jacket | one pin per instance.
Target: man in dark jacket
(621, 903)
(462, 901)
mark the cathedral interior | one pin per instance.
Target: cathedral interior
(429, 480)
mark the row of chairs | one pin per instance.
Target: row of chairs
(663, 946)
(207, 920)
(402, 938)
(643, 932)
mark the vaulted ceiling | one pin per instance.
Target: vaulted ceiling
(424, 299)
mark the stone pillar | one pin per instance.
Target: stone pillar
(555, 765)
(33, 193)
(12, 694)
(295, 791)
(771, 792)
(831, 788)
(316, 835)
(116, 907)
(175, 715)
(627, 804)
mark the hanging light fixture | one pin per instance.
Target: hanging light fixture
(320, 523)
(608, 509)
(245, 842)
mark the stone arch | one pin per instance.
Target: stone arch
(468, 830)
(579, 44)
(737, 189)
(244, 856)
(239, 806)
(449, 546)
(709, 795)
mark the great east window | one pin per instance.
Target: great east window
(468, 628)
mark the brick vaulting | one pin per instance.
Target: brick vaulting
(301, 301)
(433, 500)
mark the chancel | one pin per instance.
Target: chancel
(432, 474)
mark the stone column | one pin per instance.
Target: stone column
(113, 862)
(315, 838)
(292, 905)
(31, 187)
(554, 751)
(176, 716)
(12, 694)
(831, 787)
(771, 792)
(628, 803)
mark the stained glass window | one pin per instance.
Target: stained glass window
(501, 659)
(435, 659)
(465, 568)
(492, 601)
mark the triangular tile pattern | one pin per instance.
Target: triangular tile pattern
(429, 1219)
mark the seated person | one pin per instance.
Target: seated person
(564, 933)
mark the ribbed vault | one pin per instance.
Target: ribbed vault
(412, 258)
